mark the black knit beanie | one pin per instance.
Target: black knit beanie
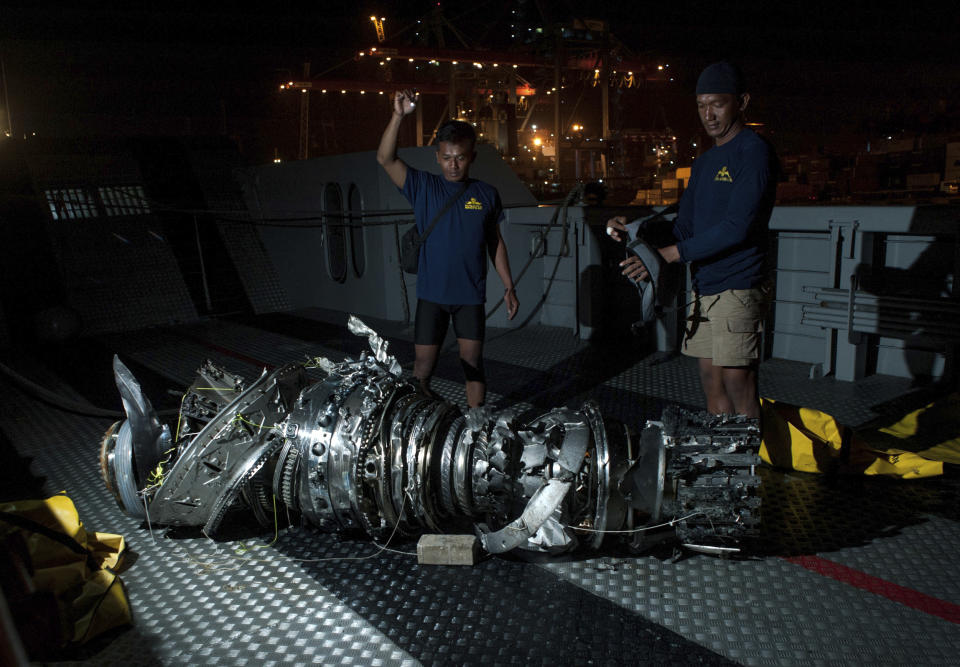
(722, 77)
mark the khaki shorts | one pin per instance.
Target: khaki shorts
(726, 327)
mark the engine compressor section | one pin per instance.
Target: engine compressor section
(361, 451)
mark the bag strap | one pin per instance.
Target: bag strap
(436, 218)
(35, 527)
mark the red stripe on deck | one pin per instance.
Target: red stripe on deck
(905, 596)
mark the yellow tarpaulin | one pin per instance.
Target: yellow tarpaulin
(72, 563)
(917, 445)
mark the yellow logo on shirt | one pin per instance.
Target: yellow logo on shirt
(473, 205)
(723, 175)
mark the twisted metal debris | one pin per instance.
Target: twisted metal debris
(361, 451)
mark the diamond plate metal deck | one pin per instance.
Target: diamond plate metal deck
(768, 612)
(309, 598)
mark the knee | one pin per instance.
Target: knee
(422, 368)
(711, 379)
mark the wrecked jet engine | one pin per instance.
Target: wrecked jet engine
(362, 452)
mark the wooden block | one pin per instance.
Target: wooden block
(448, 550)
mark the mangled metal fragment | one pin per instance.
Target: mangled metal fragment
(362, 451)
(377, 344)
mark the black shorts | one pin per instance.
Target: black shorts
(433, 319)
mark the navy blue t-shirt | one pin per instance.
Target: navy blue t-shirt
(722, 222)
(453, 260)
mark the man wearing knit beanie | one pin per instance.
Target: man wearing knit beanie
(721, 231)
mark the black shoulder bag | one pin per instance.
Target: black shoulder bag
(411, 240)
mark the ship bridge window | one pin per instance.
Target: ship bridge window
(334, 232)
(358, 245)
(124, 200)
(71, 204)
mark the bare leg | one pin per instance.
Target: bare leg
(740, 385)
(425, 361)
(471, 358)
(712, 381)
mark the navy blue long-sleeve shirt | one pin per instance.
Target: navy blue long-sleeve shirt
(721, 226)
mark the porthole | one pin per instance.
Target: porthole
(335, 232)
(358, 247)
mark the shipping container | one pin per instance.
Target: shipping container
(928, 181)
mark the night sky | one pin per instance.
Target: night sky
(823, 76)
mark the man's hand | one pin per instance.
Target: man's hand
(512, 303)
(404, 102)
(617, 228)
(634, 269)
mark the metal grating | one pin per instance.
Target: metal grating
(215, 170)
(110, 269)
(4, 334)
(257, 273)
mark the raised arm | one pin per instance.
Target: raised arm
(404, 102)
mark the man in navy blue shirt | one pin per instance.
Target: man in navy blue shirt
(721, 231)
(451, 279)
